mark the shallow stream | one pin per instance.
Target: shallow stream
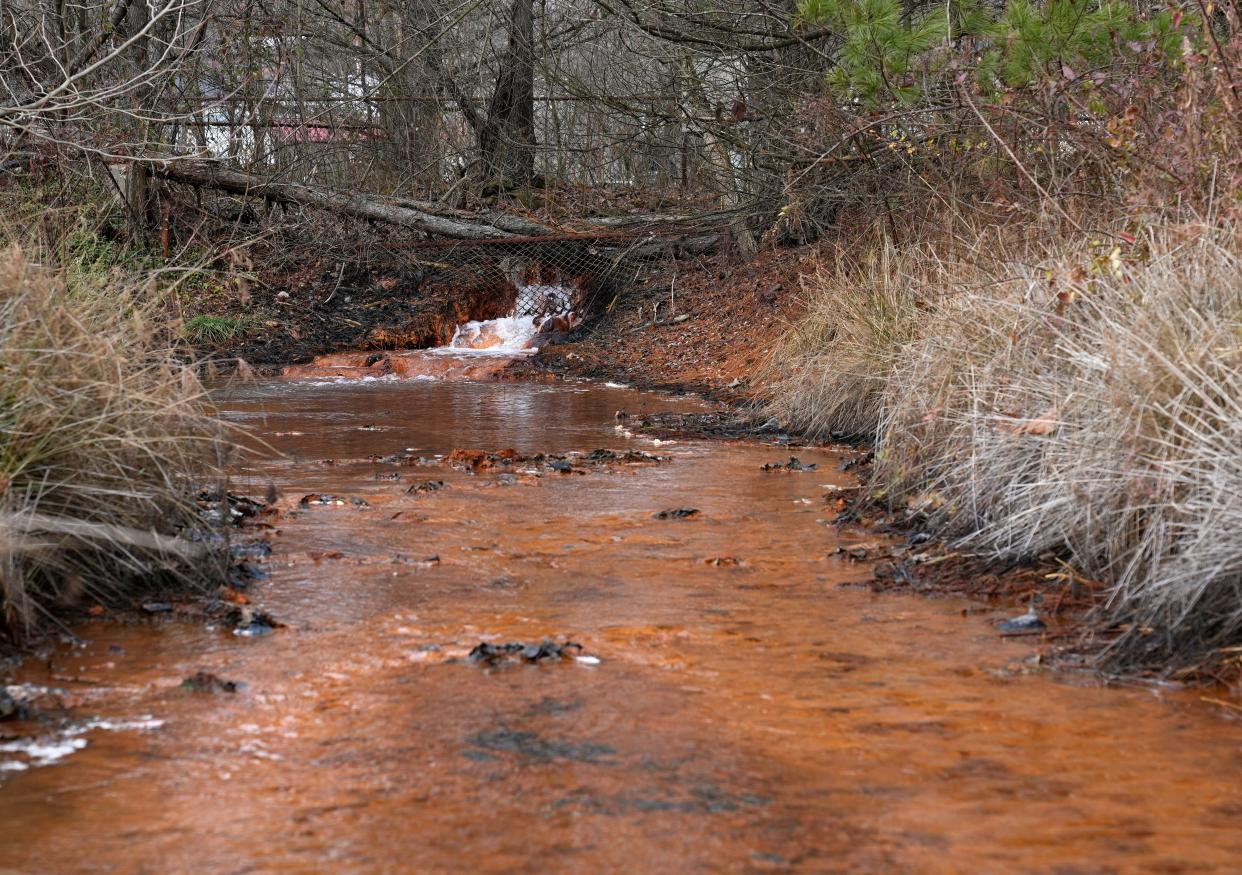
(743, 705)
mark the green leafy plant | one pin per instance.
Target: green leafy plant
(216, 329)
(893, 52)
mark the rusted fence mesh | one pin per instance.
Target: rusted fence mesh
(550, 275)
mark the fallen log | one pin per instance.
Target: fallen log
(19, 532)
(390, 211)
(433, 219)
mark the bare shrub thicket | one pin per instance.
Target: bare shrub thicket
(101, 427)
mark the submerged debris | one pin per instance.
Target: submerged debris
(258, 549)
(251, 622)
(31, 701)
(316, 499)
(717, 426)
(516, 651)
(859, 552)
(476, 461)
(857, 462)
(534, 746)
(426, 486)
(206, 682)
(794, 464)
(1028, 622)
(677, 513)
(228, 508)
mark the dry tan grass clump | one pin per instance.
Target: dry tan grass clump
(828, 372)
(101, 429)
(1094, 413)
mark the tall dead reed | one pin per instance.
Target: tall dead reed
(102, 429)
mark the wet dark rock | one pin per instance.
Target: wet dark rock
(546, 650)
(227, 508)
(249, 571)
(535, 747)
(549, 706)
(426, 486)
(393, 476)
(476, 461)
(401, 457)
(426, 562)
(1028, 622)
(717, 426)
(33, 701)
(251, 622)
(677, 513)
(794, 464)
(856, 462)
(317, 499)
(157, 607)
(630, 457)
(857, 553)
(699, 799)
(253, 629)
(250, 550)
(206, 682)
(9, 708)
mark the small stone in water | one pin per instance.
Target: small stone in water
(677, 513)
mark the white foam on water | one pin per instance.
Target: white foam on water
(45, 750)
(39, 751)
(504, 336)
(345, 381)
(513, 334)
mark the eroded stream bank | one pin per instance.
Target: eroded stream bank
(750, 710)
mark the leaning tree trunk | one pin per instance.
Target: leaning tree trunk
(507, 137)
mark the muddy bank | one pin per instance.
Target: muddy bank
(306, 304)
(698, 325)
(703, 325)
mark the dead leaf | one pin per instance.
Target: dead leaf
(1044, 424)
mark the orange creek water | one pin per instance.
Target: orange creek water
(746, 709)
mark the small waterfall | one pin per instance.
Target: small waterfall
(536, 305)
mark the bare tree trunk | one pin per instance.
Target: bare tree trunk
(138, 189)
(507, 138)
(728, 179)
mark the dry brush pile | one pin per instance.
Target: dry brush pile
(102, 429)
